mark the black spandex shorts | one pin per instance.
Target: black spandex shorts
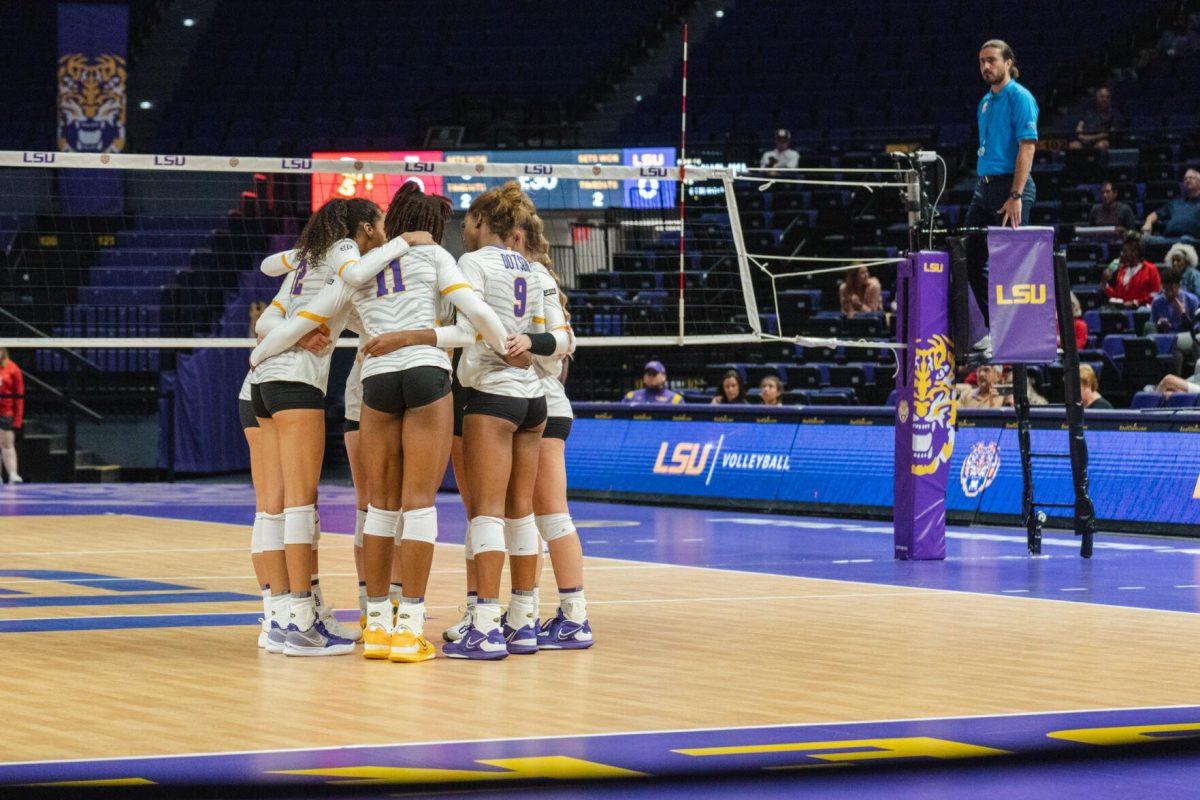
(525, 413)
(350, 426)
(271, 397)
(557, 428)
(246, 413)
(460, 403)
(396, 392)
(6, 423)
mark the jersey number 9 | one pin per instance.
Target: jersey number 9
(520, 295)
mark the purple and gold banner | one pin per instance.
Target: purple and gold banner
(1024, 325)
(926, 409)
(92, 100)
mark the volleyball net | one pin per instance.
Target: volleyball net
(126, 256)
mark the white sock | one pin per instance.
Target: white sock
(319, 599)
(487, 617)
(303, 612)
(362, 598)
(395, 592)
(574, 606)
(379, 612)
(521, 611)
(411, 616)
(266, 598)
(537, 602)
(281, 609)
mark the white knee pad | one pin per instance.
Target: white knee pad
(521, 536)
(468, 550)
(272, 532)
(256, 533)
(380, 522)
(298, 525)
(420, 525)
(360, 519)
(555, 526)
(487, 535)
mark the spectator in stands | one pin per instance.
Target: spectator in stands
(1174, 311)
(12, 413)
(1131, 281)
(782, 156)
(1183, 258)
(733, 389)
(1174, 383)
(1089, 389)
(860, 293)
(1099, 123)
(654, 387)
(1181, 215)
(770, 388)
(983, 394)
(1109, 211)
(1004, 192)
(1081, 329)
(1181, 39)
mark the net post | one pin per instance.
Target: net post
(739, 243)
(912, 179)
(1029, 516)
(72, 432)
(683, 182)
(1085, 514)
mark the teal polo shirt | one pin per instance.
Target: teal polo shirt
(1005, 118)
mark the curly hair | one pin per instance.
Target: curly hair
(413, 210)
(503, 209)
(337, 219)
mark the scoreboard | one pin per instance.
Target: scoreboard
(545, 189)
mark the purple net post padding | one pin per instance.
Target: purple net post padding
(926, 411)
(1024, 324)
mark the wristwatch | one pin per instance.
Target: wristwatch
(1014, 195)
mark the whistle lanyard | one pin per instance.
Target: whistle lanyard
(989, 111)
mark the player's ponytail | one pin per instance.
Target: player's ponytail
(337, 219)
(538, 247)
(503, 209)
(413, 210)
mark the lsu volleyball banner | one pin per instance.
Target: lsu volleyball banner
(92, 100)
(926, 409)
(1024, 324)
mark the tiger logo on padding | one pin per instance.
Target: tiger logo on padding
(91, 103)
(935, 409)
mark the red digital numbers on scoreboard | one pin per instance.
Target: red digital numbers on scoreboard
(363, 183)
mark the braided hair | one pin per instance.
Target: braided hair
(538, 246)
(413, 210)
(337, 219)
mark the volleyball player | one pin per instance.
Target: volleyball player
(288, 392)
(503, 418)
(570, 628)
(406, 409)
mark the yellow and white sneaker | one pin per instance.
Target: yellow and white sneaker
(377, 634)
(410, 648)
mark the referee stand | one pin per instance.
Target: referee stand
(966, 322)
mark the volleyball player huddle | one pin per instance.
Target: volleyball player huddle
(504, 422)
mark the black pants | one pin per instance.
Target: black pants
(990, 195)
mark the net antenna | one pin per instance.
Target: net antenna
(167, 243)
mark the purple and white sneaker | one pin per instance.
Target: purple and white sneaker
(276, 638)
(563, 634)
(521, 641)
(315, 641)
(477, 646)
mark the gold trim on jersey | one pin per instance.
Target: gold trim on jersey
(342, 268)
(539, 320)
(279, 305)
(314, 317)
(455, 287)
(283, 258)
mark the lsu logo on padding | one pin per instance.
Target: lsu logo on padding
(979, 468)
(687, 458)
(295, 163)
(91, 103)
(1022, 294)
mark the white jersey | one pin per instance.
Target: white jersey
(354, 389)
(550, 367)
(244, 392)
(297, 364)
(510, 286)
(409, 293)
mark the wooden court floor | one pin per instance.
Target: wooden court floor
(678, 647)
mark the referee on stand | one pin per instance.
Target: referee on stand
(1004, 192)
